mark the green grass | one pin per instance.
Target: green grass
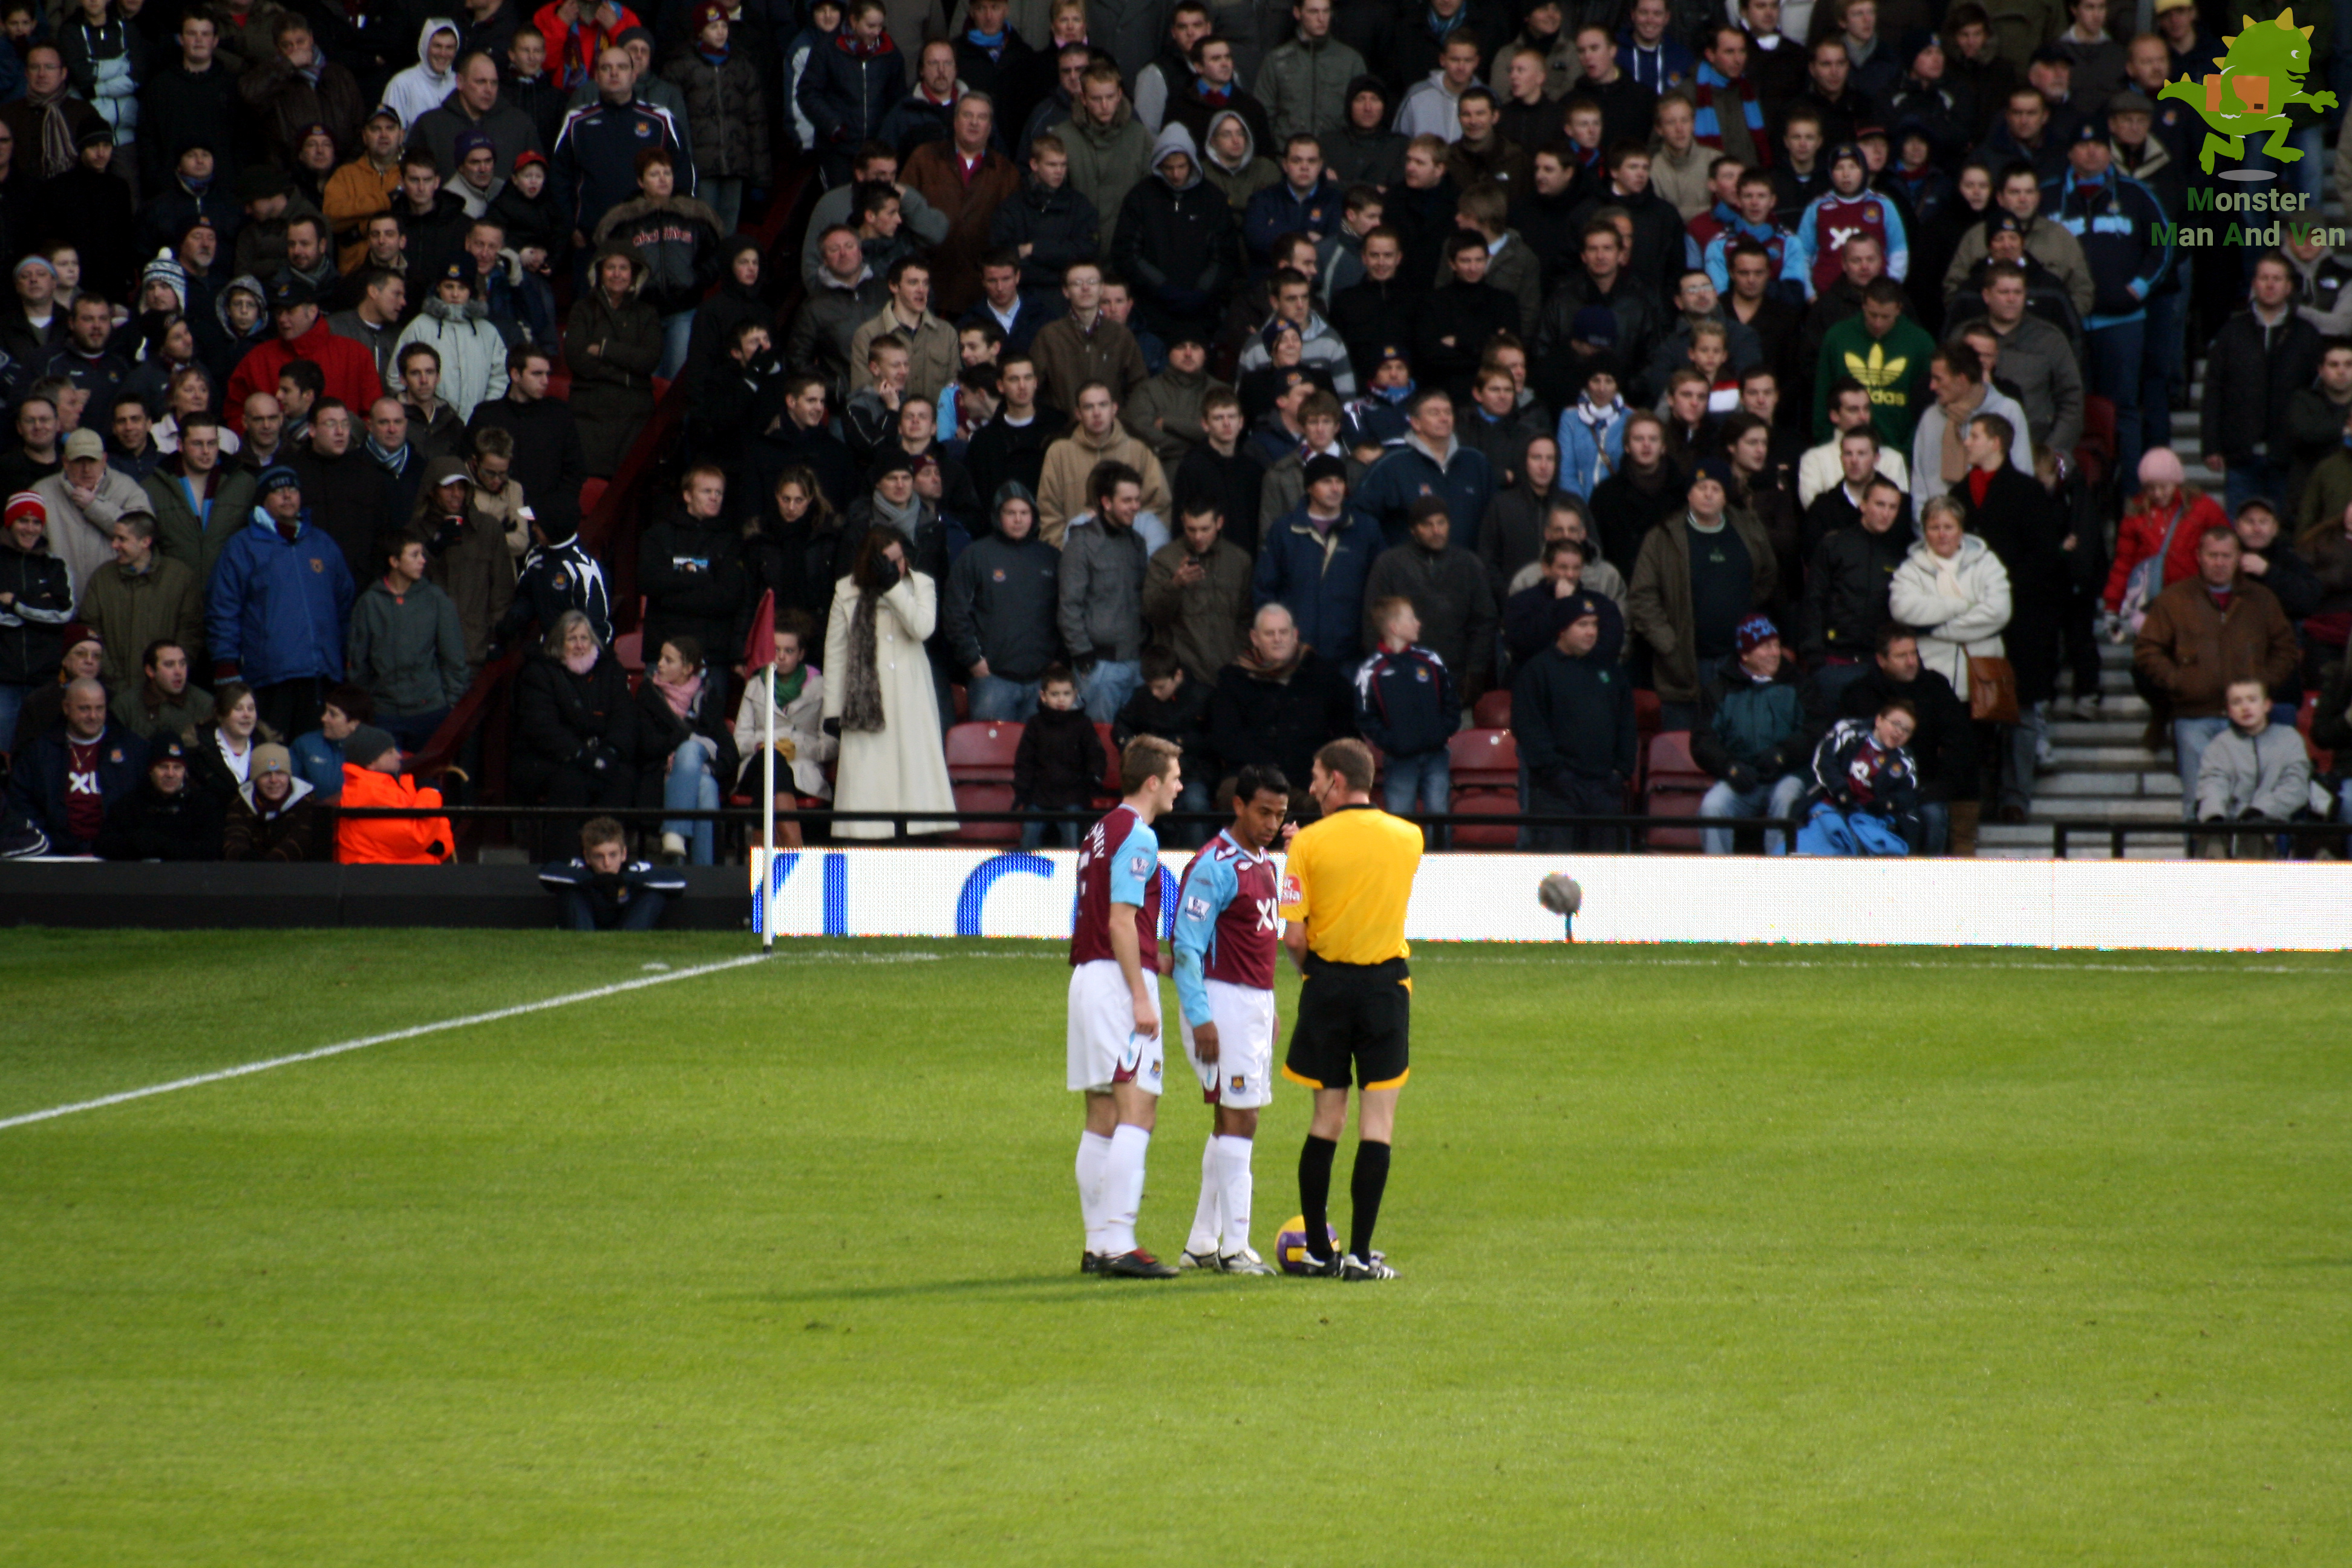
(1711, 1257)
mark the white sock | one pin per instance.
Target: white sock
(1233, 1186)
(1094, 1152)
(1122, 1188)
(1204, 1216)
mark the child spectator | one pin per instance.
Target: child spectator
(372, 776)
(601, 888)
(2254, 772)
(275, 815)
(1059, 763)
(1408, 706)
(1867, 787)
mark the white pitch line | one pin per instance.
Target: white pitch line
(246, 1068)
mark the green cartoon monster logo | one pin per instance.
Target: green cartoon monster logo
(2239, 101)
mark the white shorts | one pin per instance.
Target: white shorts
(1105, 1049)
(1242, 1075)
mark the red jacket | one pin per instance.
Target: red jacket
(350, 369)
(592, 38)
(389, 840)
(2141, 534)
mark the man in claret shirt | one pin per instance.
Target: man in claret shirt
(1227, 932)
(1115, 1047)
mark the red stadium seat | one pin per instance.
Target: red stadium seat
(1492, 711)
(629, 647)
(1672, 785)
(982, 753)
(2321, 760)
(1485, 802)
(1484, 759)
(985, 797)
(963, 701)
(1110, 760)
(1646, 715)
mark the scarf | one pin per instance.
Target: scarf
(902, 518)
(680, 695)
(1598, 417)
(579, 664)
(1280, 674)
(1979, 482)
(1213, 94)
(861, 692)
(1947, 575)
(710, 59)
(788, 689)
(1706, 124)
(1442, 28)
(58, 151)
(993, 42)
(389, 461)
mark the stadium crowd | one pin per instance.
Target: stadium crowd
(1800, 376)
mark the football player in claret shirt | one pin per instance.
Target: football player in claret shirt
(1227, 933)
(1114, 1030)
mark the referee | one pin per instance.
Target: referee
(1343, 895)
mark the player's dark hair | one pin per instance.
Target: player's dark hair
(1258, 778)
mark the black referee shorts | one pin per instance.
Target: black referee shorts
(1354, 1025)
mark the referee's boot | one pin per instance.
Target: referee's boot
(1137, 1265)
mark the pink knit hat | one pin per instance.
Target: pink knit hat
(2161, 466)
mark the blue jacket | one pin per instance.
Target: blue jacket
(2114, 220)
(318, 763)
(1581, 457)
(1405, 474)
(36, 784)
(1277, 210)
(1406, 703)
(278, 611)
(1320, 582)
(1675, 59)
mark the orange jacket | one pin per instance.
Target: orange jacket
(354, 194)
(389, 840)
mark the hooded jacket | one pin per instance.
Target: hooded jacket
(1959, 614)
(289, 833)
(1177, 245)
(1003, 604)
(420, 89)
(611, 390)
(473, 352)
(1245, 176)
(1354, 156)
(275, 608)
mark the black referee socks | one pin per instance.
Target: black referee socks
(1364, 1190)
(1315, 1191)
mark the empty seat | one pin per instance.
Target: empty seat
(629, 647)
(1484, 759)
(982, 753)
(1673, 803)
(1485, 802)
(1492, 711)
(972, 797)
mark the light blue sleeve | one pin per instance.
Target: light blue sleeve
(1899, 245)
(1718, 270)
(1207, 889)
(1797, 254)
(1133, 865)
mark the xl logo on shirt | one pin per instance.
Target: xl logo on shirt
(1266, 911)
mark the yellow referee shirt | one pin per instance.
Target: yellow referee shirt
(1349, 878)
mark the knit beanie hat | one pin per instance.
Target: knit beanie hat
(2161, 466)
(166, 268)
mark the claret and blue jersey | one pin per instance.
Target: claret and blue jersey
(1227, 923)
(1119, 863)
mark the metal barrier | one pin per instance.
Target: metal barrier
(2063, 831)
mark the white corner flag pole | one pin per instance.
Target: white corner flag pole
(768, 816)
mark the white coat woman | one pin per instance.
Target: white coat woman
(879, 687)
(1955, 591)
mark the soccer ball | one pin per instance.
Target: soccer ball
(1290, 1245)
(1559, 893)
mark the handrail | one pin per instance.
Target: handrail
(2064, 829)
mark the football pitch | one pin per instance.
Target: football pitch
(1708, 1254)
